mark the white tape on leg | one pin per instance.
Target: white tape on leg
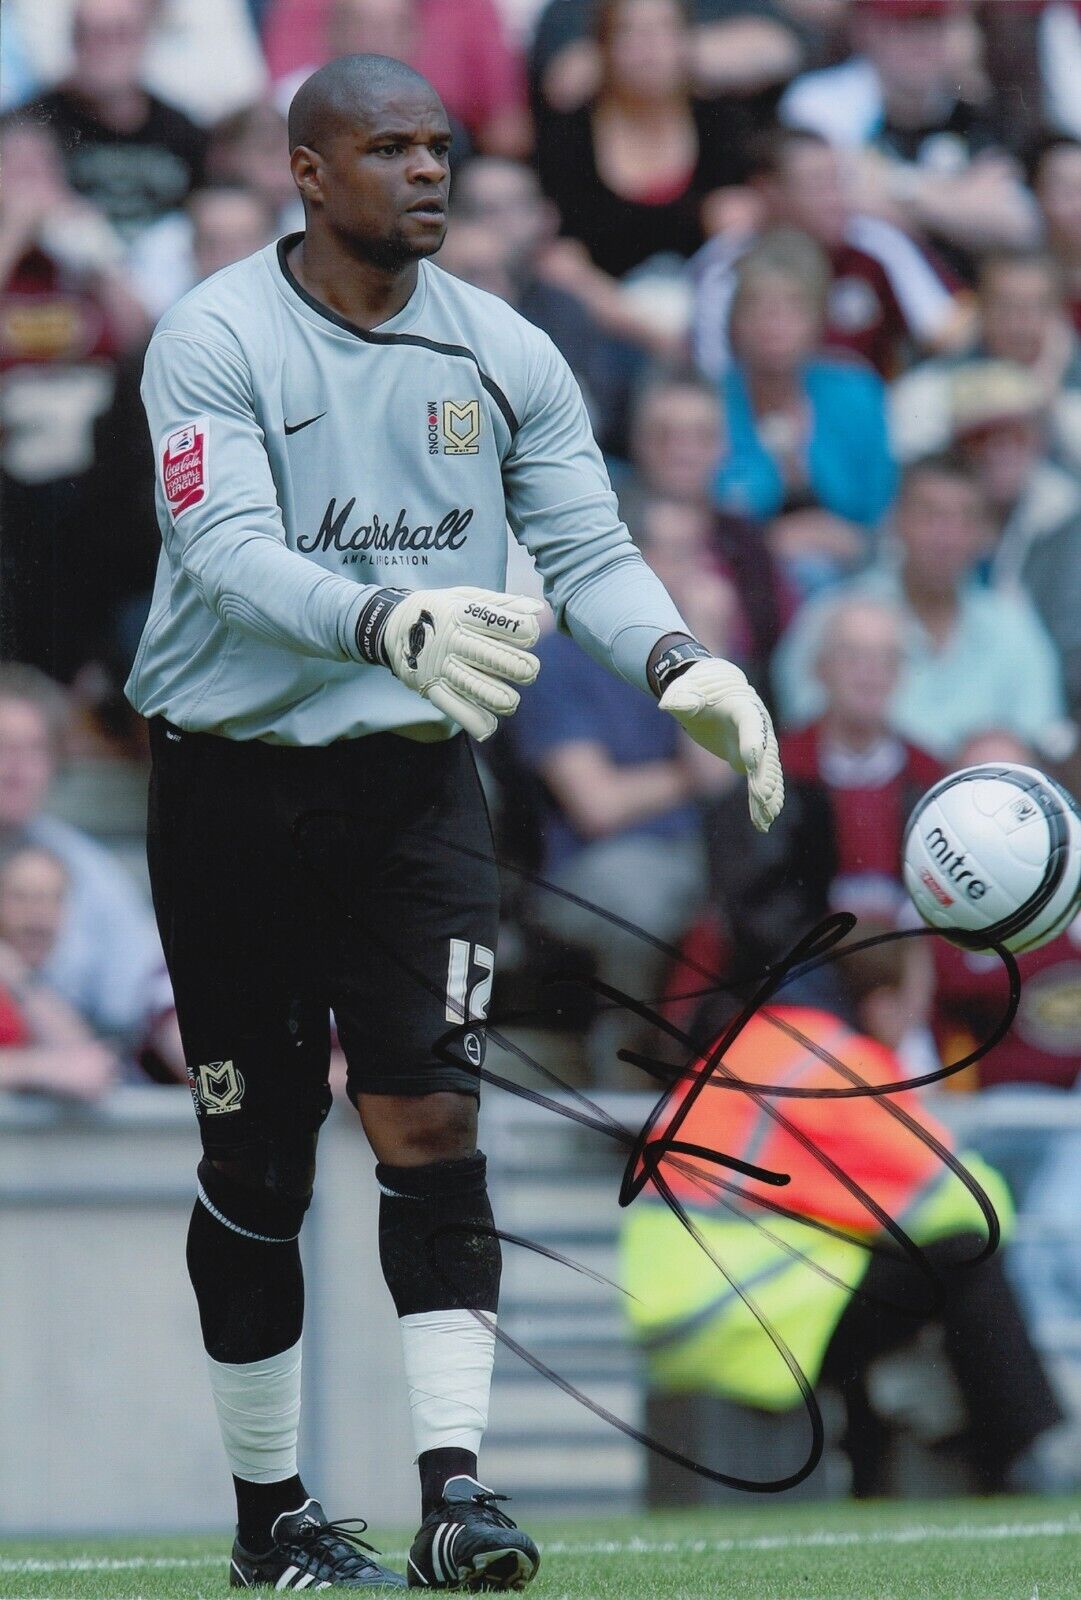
(448, 1369)
(258, 1406)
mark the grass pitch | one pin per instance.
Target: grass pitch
(950, 1550)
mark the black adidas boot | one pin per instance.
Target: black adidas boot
(311, 1553)
(466, 1543)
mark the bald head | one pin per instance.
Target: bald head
(859, 664)
(348, 92)
(860, 623)
(370, 154)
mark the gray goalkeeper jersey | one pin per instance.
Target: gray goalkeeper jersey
(302, 464)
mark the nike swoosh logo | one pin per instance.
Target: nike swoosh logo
(295, 427)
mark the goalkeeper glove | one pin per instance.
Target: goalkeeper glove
(716, 705)
(460, 648)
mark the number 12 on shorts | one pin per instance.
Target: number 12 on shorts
(465, 1004)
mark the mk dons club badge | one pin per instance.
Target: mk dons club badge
(220, 1087)
(461, 428)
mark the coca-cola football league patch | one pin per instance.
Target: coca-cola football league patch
(184, 456)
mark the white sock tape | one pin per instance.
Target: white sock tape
(448, 1368)
(258, 1406)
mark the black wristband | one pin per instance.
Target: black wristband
(372, 623)
(666, 665)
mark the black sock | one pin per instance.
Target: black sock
(436, 1468)
(258, 1505)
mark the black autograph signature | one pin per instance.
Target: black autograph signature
(649, 1151)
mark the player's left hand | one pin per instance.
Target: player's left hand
(716, 705)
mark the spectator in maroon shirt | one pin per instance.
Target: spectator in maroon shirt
(887, 297)
(850, 784)
(872, 777)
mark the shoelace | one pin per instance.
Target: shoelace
(327, 1538)
(500, 1518)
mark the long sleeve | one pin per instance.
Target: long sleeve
(560, 505)
(218, 506)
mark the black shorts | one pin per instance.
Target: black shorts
(357, 878)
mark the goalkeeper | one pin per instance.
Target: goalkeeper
(342, 432)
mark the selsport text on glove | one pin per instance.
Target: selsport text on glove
(461, 648)
(716, 705)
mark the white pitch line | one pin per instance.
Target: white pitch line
(917, 1534)
(105, 1564)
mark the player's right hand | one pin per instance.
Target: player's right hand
(463, 649)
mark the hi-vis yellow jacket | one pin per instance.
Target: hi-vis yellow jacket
(698, 1334)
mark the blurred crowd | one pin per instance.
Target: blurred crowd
(816, 265)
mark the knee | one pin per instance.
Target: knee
(445, 1132)
(283, 1168)
(416, 1132)
(264, 1189)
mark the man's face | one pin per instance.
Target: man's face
(258, 157)
(1018, 306)
(33, 899)
(1003, 456)
(678, 442)
(912, 53)
(26, 762)
(942, 525)
(808, 193)
(506, 196)
(109, 40)
(677, 545)
(1059, 192)
(382, 185)
(860, 665)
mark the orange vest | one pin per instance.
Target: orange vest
(867, 1138)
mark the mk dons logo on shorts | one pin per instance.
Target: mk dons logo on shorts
(461, 428)
(220, 1087)
(184, 462)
